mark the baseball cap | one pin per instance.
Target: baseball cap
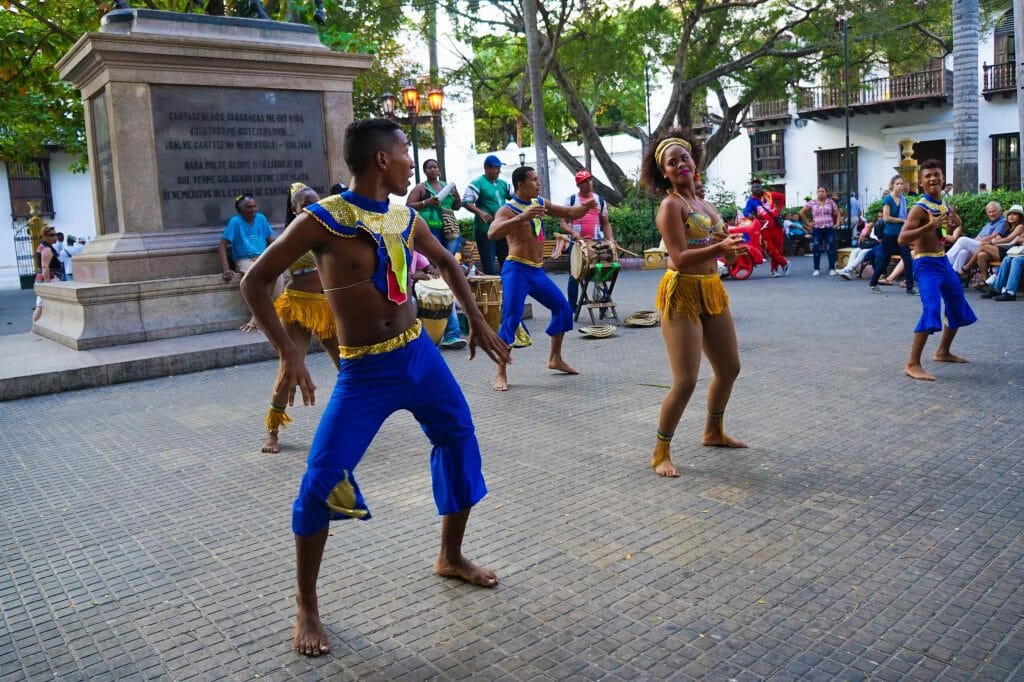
(583, 175)
(493, 160)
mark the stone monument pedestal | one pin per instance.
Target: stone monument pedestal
(184, 112)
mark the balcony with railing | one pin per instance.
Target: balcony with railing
(1000, 79)
(876, 95)
(769, 110)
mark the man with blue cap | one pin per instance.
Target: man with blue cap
(483, 197)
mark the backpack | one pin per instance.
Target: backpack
(600, 201)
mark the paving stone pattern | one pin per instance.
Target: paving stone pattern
(872, 530)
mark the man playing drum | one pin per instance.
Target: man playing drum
(520, 220)
(593, 225)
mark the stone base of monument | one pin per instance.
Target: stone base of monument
(87, 315)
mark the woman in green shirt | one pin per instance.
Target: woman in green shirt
(423, 198)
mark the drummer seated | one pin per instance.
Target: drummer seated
(419, 269)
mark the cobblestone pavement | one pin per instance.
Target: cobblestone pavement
(872, 530)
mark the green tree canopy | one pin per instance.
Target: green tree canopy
(734, 51)
(39, 112)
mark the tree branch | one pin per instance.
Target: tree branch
(46, 22)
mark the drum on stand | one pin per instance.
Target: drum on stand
(586, 254)
(434, 302)
(595, 265)
(487, 293)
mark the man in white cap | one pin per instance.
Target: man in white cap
(593, 225)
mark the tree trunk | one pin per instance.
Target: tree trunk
(965, 95)
(534, 57)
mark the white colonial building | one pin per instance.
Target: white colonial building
(799, 144)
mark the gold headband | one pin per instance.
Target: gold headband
(668, 142)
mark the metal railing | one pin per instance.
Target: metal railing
(1001, 76)
(909, 86)
(775, 108)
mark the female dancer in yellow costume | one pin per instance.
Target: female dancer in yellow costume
(303, 309)
(693, 303)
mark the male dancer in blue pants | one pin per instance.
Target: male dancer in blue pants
(937, 282)
(520, 220)
(362, 246)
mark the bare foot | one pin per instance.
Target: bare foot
(561, 365)
(310, 637)
(949, 357)
(917, 372)
(250, 326)
(720, 440)
(501, 381)
(667, 469)
(465, 569)
(270, 443)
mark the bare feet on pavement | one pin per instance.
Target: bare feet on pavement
(561, 365)
(720, 440)
(917, 372)
(949, 357)
(667, 469)
(501, 381)
(310, 637)
(464, 569)
(270, 443)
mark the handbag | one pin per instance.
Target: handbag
(450, 224)
(1015, 251)
(867, 243)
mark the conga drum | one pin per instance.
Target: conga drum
(434, 300)
(586, 255)
(487, 294)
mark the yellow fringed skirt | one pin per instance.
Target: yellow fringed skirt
(307, 310)
(691, 295)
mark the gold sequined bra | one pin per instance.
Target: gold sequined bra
(390, 226)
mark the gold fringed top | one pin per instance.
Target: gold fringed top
(394, 343)
(691, 295)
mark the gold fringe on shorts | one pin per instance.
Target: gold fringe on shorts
(307, 310)
(394, 343)
(691, 295)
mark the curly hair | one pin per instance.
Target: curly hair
(650, 173)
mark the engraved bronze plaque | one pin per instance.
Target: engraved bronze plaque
(213, 144)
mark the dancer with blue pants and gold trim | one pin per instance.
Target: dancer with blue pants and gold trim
(937, 282)
(362, 245)
(522, 275)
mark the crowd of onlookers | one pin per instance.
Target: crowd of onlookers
(991, 261)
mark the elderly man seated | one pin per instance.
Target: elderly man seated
(965, 247)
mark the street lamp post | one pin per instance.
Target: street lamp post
(411, 102)
(846, 111)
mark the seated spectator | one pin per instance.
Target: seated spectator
(996, 249)
(1004, 288)
(247, 234)
(867, 248)
(965, 247)
(794, 228)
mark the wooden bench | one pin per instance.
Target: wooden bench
(471, 254)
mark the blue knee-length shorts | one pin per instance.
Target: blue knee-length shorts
(369, 390)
